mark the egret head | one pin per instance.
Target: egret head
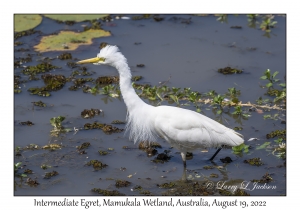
(108, 55)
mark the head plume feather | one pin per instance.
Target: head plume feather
(112, 55)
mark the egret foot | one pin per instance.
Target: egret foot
(216, 153)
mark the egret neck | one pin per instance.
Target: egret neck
(131, 99)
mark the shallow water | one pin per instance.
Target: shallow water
(191, 54)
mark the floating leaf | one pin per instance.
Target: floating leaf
(26, 22)
(264, 145)
(69, 40)
(275, 73)
(240, 148)
(263, 77)
(269, 85)
(282, 84)
(76, 18)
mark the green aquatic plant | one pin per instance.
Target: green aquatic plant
(83, 146)
(239, 112)
(16, 168)
(122, 183)
(108, 129)
(97, 165)
(106, 80)
(48, 175)
(229, 70)
(252, 20)
(280, 96)
(65, 56)
(52, 147)
(261, 101)
(167, 185)
(280, 151)
(107, 192)
(208, 167)
(39, 103)
(211, 94)
(279, 140)
(52, 83)
(277, 133)
(265, 179)
(272, 117)
(263, 146)
(32, 147)
(194, 97)
(162, 157)
(241, 148)
(238, 192)
(136, 78)
(39, 68)
(270, 77)
(272, 80)
(218, 101)
(268, 23)
(95, 24)
(254, 161)
(140, 17)
(18, 151)
(101, 152)
(56, 122)
(90, 113)
(233, 93)
(29, 123)
(111, 90)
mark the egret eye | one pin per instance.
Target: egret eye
(102, 59)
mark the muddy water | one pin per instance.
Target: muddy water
(188, 55)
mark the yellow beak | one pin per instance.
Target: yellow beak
(91, 60)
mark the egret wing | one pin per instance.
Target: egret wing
(188, 130)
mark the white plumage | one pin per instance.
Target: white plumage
(184, 129)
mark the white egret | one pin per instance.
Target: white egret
(184, 129)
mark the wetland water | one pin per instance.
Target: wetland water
(180, 51)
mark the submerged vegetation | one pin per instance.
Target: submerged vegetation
(97, 165)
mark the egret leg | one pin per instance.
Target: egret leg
(183, 177)
(216, 153)
(183, 155)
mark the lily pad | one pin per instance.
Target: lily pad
(76, 18)
(69, 40)
(26, 22)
